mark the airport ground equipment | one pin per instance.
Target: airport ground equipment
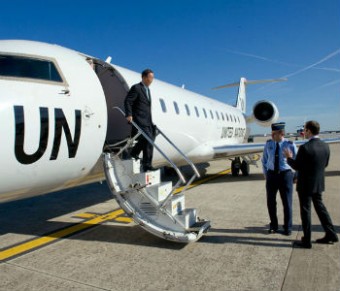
(151, 203)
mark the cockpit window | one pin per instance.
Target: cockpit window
(27, 67)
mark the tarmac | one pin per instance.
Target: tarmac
(79, 239)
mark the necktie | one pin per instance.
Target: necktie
(276, 161)
(147, 92)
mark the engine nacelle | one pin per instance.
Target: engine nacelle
(264, 113)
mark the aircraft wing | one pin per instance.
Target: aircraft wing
(237, 150)
(326, 140)
(230, 151)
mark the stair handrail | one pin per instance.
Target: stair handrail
(128, 143)
(181, 153)
(179, 173)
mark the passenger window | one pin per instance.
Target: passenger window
(197, 113)
(176, 107)
(226, 115)
(238, 119)
(161, 101)
(211, 114)
(187, 109)
(217, 115)
(222, 116)
(231, 118)
(31, 68)
(205, 113)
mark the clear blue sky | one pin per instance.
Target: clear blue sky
(203, 44)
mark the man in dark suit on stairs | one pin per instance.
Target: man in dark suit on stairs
(138, 109)
(311, 161)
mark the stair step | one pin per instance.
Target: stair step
(176, 205)
(187, 217)
(148, 208)
(141, 194)
(131, 166)
(198, 225)
(147, 178)
(160, 191)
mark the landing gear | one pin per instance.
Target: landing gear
(236, 166)
(245, 168)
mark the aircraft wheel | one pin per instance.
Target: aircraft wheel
(235, 168)
(245, 168)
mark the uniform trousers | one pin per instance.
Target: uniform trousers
(321, 211)
(282, 182)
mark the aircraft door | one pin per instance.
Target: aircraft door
(115, 89)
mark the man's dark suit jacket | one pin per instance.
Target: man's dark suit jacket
(311, 161)
(138, 105)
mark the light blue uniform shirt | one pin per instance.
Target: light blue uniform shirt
(268, 157)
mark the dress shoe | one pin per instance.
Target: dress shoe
(136, 157)
(287, 232)
(302, 244)
(271, 230)
(147, 169)
(327, 240)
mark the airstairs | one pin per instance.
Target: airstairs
(151, 203)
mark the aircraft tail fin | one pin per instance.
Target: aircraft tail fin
(241, 96)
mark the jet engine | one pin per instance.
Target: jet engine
(264, 113)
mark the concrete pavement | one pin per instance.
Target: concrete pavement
(107, 252)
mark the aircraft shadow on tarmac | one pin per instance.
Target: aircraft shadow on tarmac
(127, 234)
(34, 217)
(29, 216)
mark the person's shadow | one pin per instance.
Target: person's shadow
(250, 236)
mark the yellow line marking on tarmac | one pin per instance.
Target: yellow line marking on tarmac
(35, 243)
(124, 219)
(256, 157)
(85, 215)
(94, 219)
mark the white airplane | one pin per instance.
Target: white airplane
(58, 114)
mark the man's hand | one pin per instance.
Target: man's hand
(129, 118)
(288, 153)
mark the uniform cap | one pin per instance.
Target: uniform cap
(278, 126)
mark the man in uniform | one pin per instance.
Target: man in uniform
(279, 177)
(138, 109)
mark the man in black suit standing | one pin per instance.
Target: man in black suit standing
(138, 109)
(311, 161)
